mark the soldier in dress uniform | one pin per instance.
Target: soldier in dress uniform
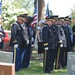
(17, 41)
(49, 45)
(68, 24)
(67, 34)
(55, 30)
(26, 53)
(73, 29)
(29, 34)
(62, 41)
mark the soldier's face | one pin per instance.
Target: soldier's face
(50, 22)
(25, 20)
(54, 21)
(68, 22)
(20, 21)
(60, 22)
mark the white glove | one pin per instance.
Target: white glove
(61, 45)
(1, 34)
(27, 42)
(0, 39)
(46, 48)
(16, 45)
(32, 39)
(60, 41)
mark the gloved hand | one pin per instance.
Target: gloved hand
(61, 45)
(32, 39)
(27, 42)
(46, 48)
(0, 39)
(1, 34)
(60, 41)
(16, 45)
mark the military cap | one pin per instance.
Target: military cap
(61, 18)
(24, 15)
(55, 17)
(49, 18)
(66, 18)
(70, 19)
(30, 18)
(21, 17)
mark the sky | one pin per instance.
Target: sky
(61, 7)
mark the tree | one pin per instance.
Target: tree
(41, 9)
(73, 15)
(41, 6)
(12, 8)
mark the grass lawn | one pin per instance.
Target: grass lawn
(36, 68)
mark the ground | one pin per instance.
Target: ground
(36, 68)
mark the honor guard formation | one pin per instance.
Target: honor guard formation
(55, 38)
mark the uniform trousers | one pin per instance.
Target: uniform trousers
(56, 57)
(26, 59)
(50, 57)
(63, 57)
(18, 56)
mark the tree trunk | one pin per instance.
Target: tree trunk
(41, 5)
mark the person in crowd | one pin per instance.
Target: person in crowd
(55, 30)
(2, 35)
(73, 29)
(27, 54)
(17, 42)
(62, 43)
(49, 45)
(68, 24)
(39, 37)
(69, 39)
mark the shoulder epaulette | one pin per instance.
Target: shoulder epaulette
(15, 23)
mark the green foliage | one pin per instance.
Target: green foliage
(73, 15)
(51, 13)
(12, 8)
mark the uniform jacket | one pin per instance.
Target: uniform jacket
(68, 40)
(73, 29)
(48, 36)
(61, 35)
(55, 30)
(16, 35)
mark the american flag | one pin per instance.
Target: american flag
(0, 11)
(35, 17)
(47, 11)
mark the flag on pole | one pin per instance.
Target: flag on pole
(35, 20)
(0, 7)
(47, 11)
(0, 11)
